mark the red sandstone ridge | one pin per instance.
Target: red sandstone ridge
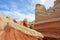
(11, 30)
(50, 30)
(48, 21)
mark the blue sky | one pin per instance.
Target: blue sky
(20, 9)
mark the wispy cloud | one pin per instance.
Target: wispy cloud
(19, 16)
(49, 3)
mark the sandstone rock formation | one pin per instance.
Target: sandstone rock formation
(10, 30)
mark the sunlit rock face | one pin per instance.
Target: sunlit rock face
(20, 23)
(57, 7)
(39, 12)
(9, 19)
(12, 34)
(42, 14)
(10, 29)
(2, 22)
(24, 23)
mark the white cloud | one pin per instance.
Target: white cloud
(46, 3)
(49, 3)
(42, 1)
(36, 1)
